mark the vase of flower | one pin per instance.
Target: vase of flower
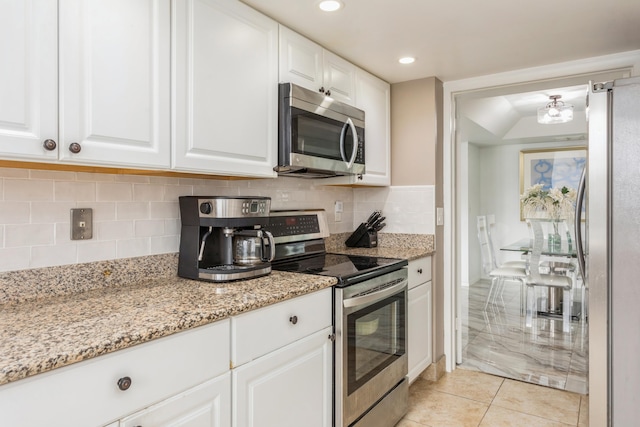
(556, 204)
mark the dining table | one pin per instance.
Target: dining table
(559, 260)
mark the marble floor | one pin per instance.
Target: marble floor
(496, 341)
(465, 398)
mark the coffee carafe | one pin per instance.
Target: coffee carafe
(222, 238)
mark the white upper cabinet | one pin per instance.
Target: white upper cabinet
(115, 82)
(374, 97)
(225, 88)
(28, 78)
(307, 64)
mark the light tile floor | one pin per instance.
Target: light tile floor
(465, 398)
(496, 341)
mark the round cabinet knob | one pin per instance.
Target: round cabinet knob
(206, 208)
(75, 148)
(293, 319)
(419, 271)
(328, 93)
(321, 90)
(360, 176)
(49, 144)
(124, 383)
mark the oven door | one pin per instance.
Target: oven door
(371, 342)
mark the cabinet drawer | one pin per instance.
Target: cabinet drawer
(87, 393)
(419, 271)
(261, 331)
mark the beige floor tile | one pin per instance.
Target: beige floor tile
(409, 423)
(544, 402)
(502, 417)
(583, 421)
(437, 409)
(470, 384)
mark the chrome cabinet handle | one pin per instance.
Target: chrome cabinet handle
(124, 383)
(49, 144)
(293, 319)
(75, 148)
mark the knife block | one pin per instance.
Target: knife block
(362, 238)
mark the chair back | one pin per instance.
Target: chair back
(489, 262)
(537, 239)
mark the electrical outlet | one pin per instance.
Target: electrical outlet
(81, 224)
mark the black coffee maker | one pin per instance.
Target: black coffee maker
(222, 238)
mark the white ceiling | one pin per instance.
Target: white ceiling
(456, 39)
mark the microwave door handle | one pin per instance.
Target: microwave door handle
(343, 134)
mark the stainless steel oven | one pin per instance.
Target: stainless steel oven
(369, 315)
(371, 351)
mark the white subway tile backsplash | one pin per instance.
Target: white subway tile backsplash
(165, 244)
(47, 212)
(148, 228)
(15, 212)
(138, 215)
(27, 190)
(114, 230)
(91, 251)
(74, 191)
(148, 192)
(28, 235)
(47, 256)
(162, 210)
(132, 210)
(133, 247)
(114, 191)
(14, 258)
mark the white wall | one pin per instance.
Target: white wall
(498, 193)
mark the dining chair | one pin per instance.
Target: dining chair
(543, 276)
(498, 273)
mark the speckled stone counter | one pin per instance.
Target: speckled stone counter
(56, 316)
(67, 317)
(390, 245)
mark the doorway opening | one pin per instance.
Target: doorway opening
(493, 127)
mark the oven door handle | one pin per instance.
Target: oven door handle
(374, 296)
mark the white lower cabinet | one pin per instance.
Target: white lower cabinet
(290, 387)
(420, 320)
(207, 405)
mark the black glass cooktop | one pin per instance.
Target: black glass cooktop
(348, 269)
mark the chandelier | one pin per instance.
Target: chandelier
(555, 111)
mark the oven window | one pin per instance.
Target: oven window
(375, 339)
(319, 136)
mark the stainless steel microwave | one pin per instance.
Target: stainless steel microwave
(317, 135)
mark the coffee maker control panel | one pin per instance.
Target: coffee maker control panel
(222, 207)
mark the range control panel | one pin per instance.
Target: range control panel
(289, 226)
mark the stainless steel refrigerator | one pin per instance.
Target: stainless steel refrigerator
(612, 252)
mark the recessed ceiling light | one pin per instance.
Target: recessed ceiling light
(407, 60)
(330, 5)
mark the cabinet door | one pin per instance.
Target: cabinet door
(207, 405)
(225, 88)
(28, 78)
(300, 60)
(373, 97)
(339, 78)
(419, 333)
(290, 387)
(115, 82)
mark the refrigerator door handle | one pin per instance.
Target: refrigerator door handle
(577, 224)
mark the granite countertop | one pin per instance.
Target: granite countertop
(46, 333)
(53, 317)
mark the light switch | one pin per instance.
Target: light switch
(439, 216)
